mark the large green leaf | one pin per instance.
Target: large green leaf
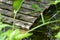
(13, 34)
(2, 37)
(17, 5)
(21, 36)
(58, 35)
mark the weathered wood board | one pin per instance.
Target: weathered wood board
(23, 19)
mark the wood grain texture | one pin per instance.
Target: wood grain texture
(19, 23)
(23, 18)
(18, 16)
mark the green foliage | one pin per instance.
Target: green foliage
(58, 36)
(2, 37)
(15, 34)
(17, 5)
(39, 0)
(23, 35)
(36, 7)
(55, 2)
(3, 25)
(55, 27)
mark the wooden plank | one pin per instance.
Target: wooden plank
(23, 11)
(24, 5)
(10, 2)
(20, 23)
(5, 6)
(6, 1)
(23, 19)
(27, 4)
(18, 16)
(30, 2)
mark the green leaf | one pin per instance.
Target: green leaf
(3, 25)
(39, 0)
(17, 5)
(36, 7)
(2, 37)
(23, 35)
(55, 27)
(13, 34)
(7, 33)
(55, 2)
(58, 35)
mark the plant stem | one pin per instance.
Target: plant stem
(15, 12)
(14, 20)
(42, 18)
(0, 17)
(43, 25)
(54, 15)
